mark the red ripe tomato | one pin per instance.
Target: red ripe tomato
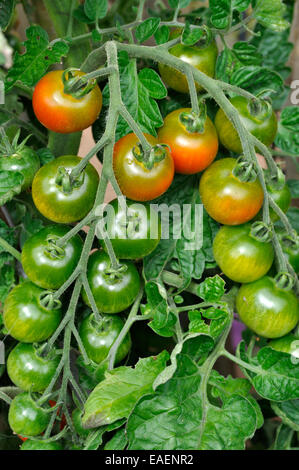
(135, 180)
(191, 151)
(61, 112)
(226, 199)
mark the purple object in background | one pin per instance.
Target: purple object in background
(236, 333)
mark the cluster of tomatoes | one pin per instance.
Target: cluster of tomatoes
(31, 314)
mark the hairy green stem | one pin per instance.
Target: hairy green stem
(10, 249)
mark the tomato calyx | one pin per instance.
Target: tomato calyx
(66, 181)
(148, 158)
(289, 241)
(260, 108)
(275, 182)
(75, 85)
(244, 170)
(284, 280)
(53, 250)
(12, 149)
(114, 274)
(48, 301)
(261, 232)
(194, 122)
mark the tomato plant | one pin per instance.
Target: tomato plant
(136, 181)
(127, 282)
(61, 112)
(59, 199)
(240, 256)
(46, 264)
(192, 151)
(227, 199)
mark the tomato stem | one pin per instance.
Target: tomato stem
(10, 249)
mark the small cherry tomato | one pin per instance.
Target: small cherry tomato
(241, 257)
(25, 161)
(113, 291)
(59, 203)
(135, 180)
(134, 231)
(29, 370)
(26, 417)
(61, 112)
(267, 310)
(282, 197)
(290, 248)
(263, 126)
(191, 151)
(98, 337)
(24, 316)
(226, 199)
(203, 58)
(46, 264)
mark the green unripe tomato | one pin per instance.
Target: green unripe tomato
(267, 310)
(263, 127)
(203, 58)
(113, 292)
(282, 197)
(25, 161)
(47, 265)
(135, 232)
(26, 417)
(40, 445)
(98, 337)
(241, 257)
(28, 370)
(25, 318)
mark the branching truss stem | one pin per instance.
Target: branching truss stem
(117, 108)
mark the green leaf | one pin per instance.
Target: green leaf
(186, 419)
(30, 66)
(138, 96)
(197, 324)
(293, 216)
(146, 29)
(10, 185)
(80, 15)
(194, 346)
(294, 188)
(95, 9)
(270, 13)
(118, 441)
(247, 53)
(162, 34)
(181, 3)
(115, 397)
(180, 243)
(153, 83)
(191, 36)
(163, 318)
(220, 13)
(211, 289)
(287, 137)
(283, 438)
(278, 376)
(240, 5)
(288, 411)
(6, 11)
(7, 276)
(95, 439)
(256, 79)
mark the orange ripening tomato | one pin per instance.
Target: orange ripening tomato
(135, 180)
(61, 112)
(226, 199)
(192, 152)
